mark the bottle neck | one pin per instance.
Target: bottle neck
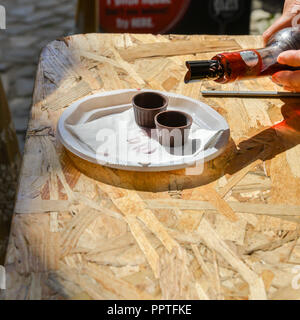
(203, 70)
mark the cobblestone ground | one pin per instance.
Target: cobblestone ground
(31, 24)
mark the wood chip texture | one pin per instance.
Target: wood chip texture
(84, 231)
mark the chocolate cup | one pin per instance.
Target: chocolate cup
(173, 128)
(146, 106)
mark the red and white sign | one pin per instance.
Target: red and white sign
(141, 16)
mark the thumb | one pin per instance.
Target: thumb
(290, 58)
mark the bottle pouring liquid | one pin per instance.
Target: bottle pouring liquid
(246, 64)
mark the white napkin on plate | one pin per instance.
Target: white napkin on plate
(118, 138)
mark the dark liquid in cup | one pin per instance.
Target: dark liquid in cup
(173, 119)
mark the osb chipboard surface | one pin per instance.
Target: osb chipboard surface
(89, 232)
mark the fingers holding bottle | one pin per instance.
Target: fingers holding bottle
(290, 17)
(284, 21)
(290, 58)
(290, 80)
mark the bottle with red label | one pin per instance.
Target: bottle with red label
(247, 64)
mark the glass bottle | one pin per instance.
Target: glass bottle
(246, 64)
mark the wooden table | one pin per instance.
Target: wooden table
(88, 232)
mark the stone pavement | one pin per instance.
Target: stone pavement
(31, 24)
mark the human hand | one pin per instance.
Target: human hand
(290, 12)
(290, 80)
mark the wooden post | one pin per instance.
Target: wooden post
(87, 17)
(9, 169)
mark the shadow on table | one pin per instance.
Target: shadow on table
(269, 143)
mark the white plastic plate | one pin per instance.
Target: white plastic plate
(111, 104)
